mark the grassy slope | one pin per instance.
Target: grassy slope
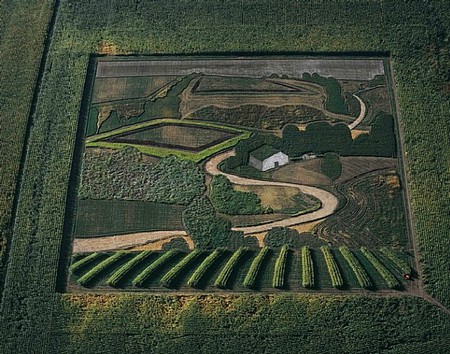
(22, 34)
(127, 323)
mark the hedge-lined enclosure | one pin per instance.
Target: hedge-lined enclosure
(36, 318)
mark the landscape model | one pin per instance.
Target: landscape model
(240, 174)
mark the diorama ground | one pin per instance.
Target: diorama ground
(48, 50)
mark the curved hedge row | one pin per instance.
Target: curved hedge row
(333, 269)
(84, 261)
(224, 276)
(196, 277)
(390, 280)
(87, 277)
(357, 268)
(118, 275)
(143, 276)
(172, 274)
(252, 274)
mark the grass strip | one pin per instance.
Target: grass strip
(390, 280)
(278, 280)
(84, 261)
(307, 268)
(333, 269)
(197, 276)
(145, 274)
(252, 274)
(224, 275)
(87, 277)
(173, 273)
(357, 268)
(118, 275)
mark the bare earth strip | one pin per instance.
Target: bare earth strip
(350, 69)
(115, 242)
(362, 114)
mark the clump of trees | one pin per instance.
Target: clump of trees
(232, 202)
(207, 229)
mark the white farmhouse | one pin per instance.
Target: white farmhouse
(266, 157)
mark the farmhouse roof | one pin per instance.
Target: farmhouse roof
(264, 152)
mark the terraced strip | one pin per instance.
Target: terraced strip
(278, 280)
(145, 274)
(224, 275)
(84, 261)
(252, 274)
(91, 274)
(390, 280)
(197, 276)
(400, 263)
(307, 268)
(333, 269)
(118, 275)
(357, 268)
(168, 278)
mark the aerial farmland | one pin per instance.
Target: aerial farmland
(267, 182)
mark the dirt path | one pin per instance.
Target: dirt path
(362, 113)
(115, 242)
(328, 200)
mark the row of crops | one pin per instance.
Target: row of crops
(243, 269)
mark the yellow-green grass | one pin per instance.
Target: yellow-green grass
(95, 141)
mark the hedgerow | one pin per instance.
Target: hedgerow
(307, 268)
(147, 272)
(400, 263)
(357, 268)
(120, 273)
(333, 269)
(173, 273)
(252, 274)
(84, 261)
(224, 275)
(102, 266)
(390, 280)
(197, 276)
(278, 280)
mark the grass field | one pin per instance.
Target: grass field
(113, 217)
(37, 318)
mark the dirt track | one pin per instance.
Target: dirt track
(328, 200)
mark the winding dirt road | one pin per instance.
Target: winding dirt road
(362, 114)
(328, 200)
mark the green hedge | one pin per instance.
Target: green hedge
(147, 272)
(307, 268)
(400, 263)
(252, 274)
(120, 273)
(390, 280)
(357, 268)
(168, 278)
(279, 277)
(84, 261)
(224, 275)
(200, 272)
(333, 269)
(102, 266)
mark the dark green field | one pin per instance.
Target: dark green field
(114, 217)
(41, 106)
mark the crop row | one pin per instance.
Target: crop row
(390, 280)
(280, 268)
(224, 275)
(134, 270)
(252, 274)
(357, 268)
(333, 269)
(307, 268)
(400, 263)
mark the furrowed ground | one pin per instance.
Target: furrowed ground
(37, 318)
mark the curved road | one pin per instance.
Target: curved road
(328, 200)
(362, 113)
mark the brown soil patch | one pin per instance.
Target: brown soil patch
(353, 166)
(107, 47)
(302, 172)
(275, 197)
